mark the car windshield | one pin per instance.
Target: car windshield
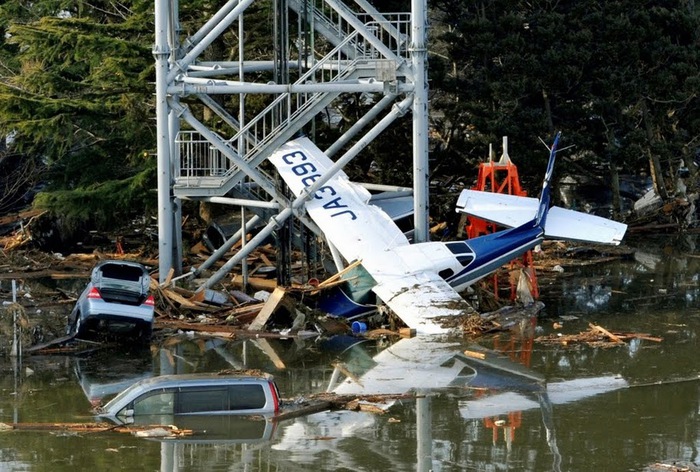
(120, 277)
(154, 404)
(122, 272)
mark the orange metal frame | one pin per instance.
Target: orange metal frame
(502, 178)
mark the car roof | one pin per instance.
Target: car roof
(182, 380)
(189, 380)
(120, 262)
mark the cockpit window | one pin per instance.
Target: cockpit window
(466, 259)
(462, 251)
(459, 247)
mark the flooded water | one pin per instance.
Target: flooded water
(630, 407)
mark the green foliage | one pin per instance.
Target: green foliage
(104, 205)
(77, 95)
(613, 76)
(76, 90)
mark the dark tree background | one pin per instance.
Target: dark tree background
(619, 78)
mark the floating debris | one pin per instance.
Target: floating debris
(142, 431)
(596, 336)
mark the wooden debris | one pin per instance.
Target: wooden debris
(257, 283)
(269, 351)
(596, 336)
(169, 278)
(376, 333)
(270, 306)
(338, 278)
(324, 401)
(220, 331)
(359, 405)
(673, 466)
(407, 332)
(209, 296)
(607, 333)
(475, 354)
(172, 431)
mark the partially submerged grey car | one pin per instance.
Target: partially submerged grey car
(159, 399)
(115, 303)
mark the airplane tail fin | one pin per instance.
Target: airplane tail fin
(545, 196)
(512, 211)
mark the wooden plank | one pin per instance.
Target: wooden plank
(169, 278)
(270, 306)
(95, 428)
(339, 274)
(607, 333)
(475, 354)
(331, 284)
(185, 303)
(255, 282)
(407, 332)
(245, 309)
(264, 346)
(648, 337)
(265, 260)
(297, 410)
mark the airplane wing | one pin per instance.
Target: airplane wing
(421, 300)
(512, 211)
(361, 231)
(409, 364)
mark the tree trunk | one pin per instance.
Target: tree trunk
(615, 183)
(657, 175)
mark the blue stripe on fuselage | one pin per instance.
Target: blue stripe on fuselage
(494, 250)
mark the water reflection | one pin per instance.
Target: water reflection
(660, 272)
(527, 406)
(102, 375)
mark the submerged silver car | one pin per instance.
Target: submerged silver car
(115, 304)
(159, 399)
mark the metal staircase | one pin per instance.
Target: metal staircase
(211, 165)
(343, 51)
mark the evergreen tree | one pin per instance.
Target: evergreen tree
(77, 97)
(621, 81)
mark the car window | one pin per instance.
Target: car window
(155, 404)
(246, 397)
(129, 273)
(191, 401)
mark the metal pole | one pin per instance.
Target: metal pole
(219, 253)
(424, 436)
(173, 130)
(216, 31)
(161, 52)
(420, 120)
(14, 349)
(360, 124)
(244, 237)
(16, 369)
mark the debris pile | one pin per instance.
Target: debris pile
(160, 431)
(596, 336)
(262, 308)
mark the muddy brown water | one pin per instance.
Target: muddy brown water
(630, 407)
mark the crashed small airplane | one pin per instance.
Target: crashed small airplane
(420, 282)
